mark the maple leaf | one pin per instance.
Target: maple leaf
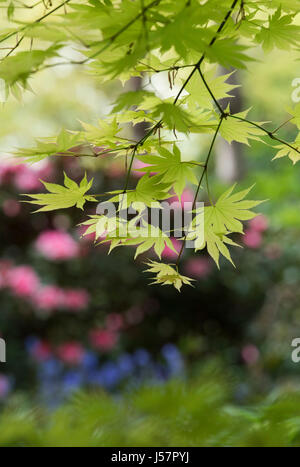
(174, 171)
(280, 32)
(230, 209)
(233, 129)
(62, 197)
(292, 153)
(219, 221)
(148, 191)
(165, 274)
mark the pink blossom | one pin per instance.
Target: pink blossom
(56, 245)
(71, 353)
(198, 267)
(103, 339)
(75, 300)
(252, 238)
(170, 254)
(139, 165)
(11, 207)
(27, 180)
(259, 223)
(23, 281)
(5, 386)
(186, 197)
(8, 169)
(48, 298)
(250, 354)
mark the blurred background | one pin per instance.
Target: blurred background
(74, 317)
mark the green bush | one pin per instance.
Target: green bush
(185, 414)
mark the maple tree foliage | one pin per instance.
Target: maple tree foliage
(188, 40)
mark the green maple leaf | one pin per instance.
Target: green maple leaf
(219, 221)
(172, 169)
(210, 238)
(280, 32)
(150, 237)
(293, 154)
(165, 274)
(46, 147)
(233, 129)
(230, 209)
(228, 53)
(148, 191)
(217, 84)
(62, 197)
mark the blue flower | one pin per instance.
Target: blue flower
(141, 357)
(90, 361)
(72, 380)
(125, 364)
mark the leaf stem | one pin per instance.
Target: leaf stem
(201, 180)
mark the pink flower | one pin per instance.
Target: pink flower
(75, 300)
(11, 207)
(5, 386)
(8, 170)
(41, 351)
(103, 339)
(27, 180)
(259, 223)
(48, 298)
(198, 267)
(250, 354)
(187, 198)
(139, 165)
(252, 238)
(23, 281)
(56, 245)
(170, 254)
(71, 353)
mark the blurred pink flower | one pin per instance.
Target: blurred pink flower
(27, 180)
(250, 354)
(75, 300)
(56, 245)
(23, 281)
(71, 353)
(252, 238)
(170, 254)
(139, 165)
(8, 169)
(5, 386)
(259, 223)
(103, 339)
(198, 267)
(11, 207)
(48, 298)
(186, 197)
